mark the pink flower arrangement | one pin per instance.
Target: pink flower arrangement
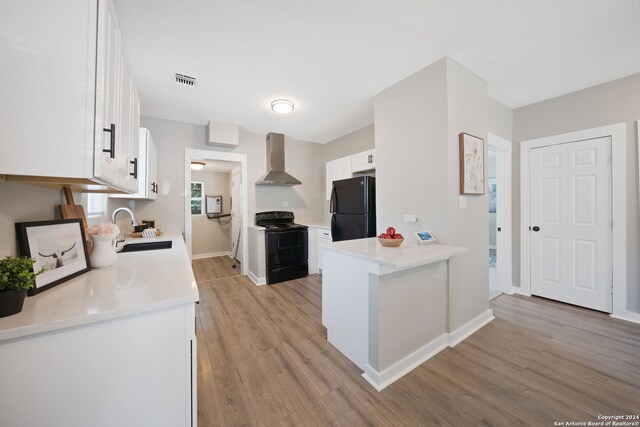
(104, 230)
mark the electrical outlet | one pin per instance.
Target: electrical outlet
(409, 218)
(285, 204)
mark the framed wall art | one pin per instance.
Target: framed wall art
(471, 164)
(59, 247)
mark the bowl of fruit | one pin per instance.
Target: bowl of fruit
(390, 239)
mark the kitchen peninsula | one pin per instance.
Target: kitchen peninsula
(115, 346)
(387, 309)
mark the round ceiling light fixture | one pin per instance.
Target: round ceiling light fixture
(196, 166)
(282, 106)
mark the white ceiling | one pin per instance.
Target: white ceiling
(331, 57)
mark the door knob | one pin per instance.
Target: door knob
(535, 228)
(499, 228)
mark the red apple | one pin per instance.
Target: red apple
(391, 231)
(384, 236)
(398, 236)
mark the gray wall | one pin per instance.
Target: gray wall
(211, 235)
(500, 119)
(355, 142)
(23, 202)
(303, 160)
(469, 273)
(609, 103)
(417, 125)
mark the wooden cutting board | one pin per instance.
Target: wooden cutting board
(73, 211)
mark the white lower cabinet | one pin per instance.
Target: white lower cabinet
(136, 370)
(69, 105)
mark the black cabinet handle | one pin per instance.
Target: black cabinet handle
(499, 228)
(134, 162)
(535, 228)
(112, 141)
(154, 187)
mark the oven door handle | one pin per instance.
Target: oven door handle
(289, 247)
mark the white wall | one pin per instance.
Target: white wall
(210, 235)
(417, 125)
(613, 102)
(303, 160)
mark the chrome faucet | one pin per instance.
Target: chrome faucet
(134, 222)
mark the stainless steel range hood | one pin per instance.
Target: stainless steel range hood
(275, 163)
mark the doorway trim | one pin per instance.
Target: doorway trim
(195, 154)
(504, 269)
(618, 134)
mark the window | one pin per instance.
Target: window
(96, 205)
(197, 198)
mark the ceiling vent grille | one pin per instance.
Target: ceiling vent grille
(183, 79)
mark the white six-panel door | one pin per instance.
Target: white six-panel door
(571, 228)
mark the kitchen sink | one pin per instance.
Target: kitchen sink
(146, 246)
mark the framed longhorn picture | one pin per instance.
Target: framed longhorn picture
(59, 247)
(471, 164)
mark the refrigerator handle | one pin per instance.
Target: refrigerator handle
(333, 228)
(333, 205)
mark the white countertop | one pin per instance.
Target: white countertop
(136, 283)
(408, 255)
(255, 227)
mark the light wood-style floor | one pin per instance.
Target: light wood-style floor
(214, 268)
(263, 360)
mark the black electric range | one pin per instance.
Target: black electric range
(286, 246)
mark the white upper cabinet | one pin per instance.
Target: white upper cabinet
(345, 167)
(68, 104)
(364, 161)
(336, 170)
(147, 169)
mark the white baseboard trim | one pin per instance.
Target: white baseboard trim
(380, 380)
(211, 255)
(466, 330)
(629, 316)
(257, 280)
(519, 291)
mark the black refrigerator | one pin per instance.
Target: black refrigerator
(353, 208)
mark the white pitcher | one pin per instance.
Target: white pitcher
(104, 251)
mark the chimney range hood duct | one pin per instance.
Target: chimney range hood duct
(275, 163)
